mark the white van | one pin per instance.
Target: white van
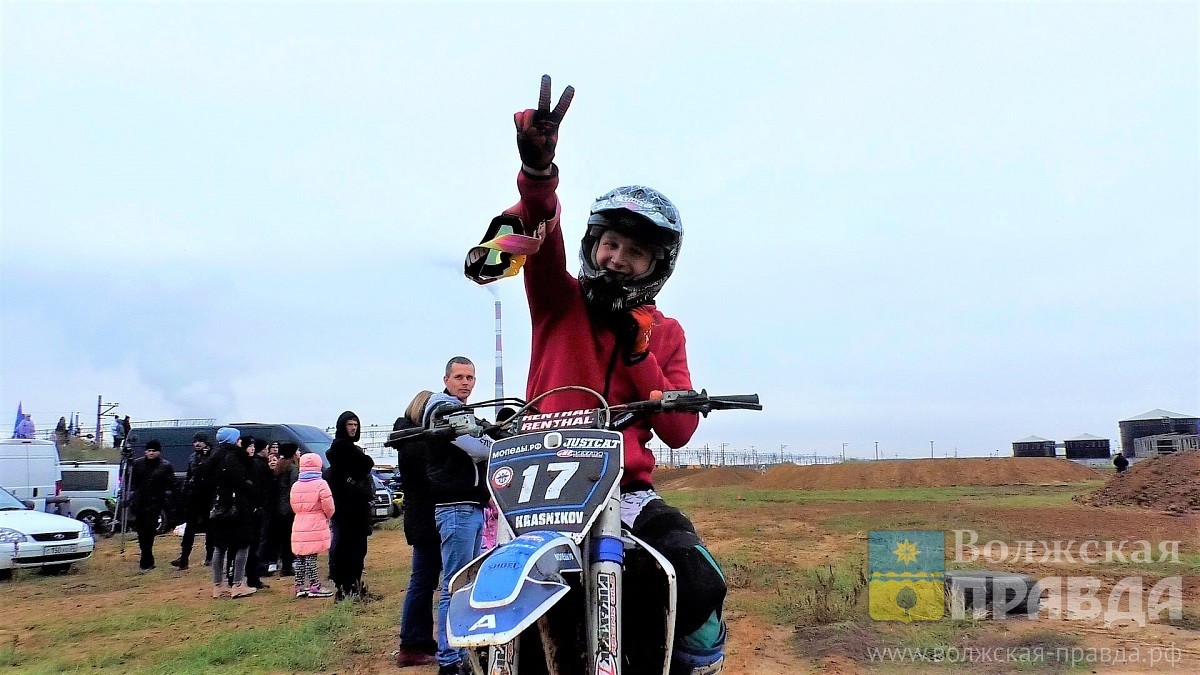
(91, 491)
(29, 469)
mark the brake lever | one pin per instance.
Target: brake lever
(464, 423)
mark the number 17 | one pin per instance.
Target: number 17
(529, 476)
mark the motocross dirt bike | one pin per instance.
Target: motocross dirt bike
(567, 590)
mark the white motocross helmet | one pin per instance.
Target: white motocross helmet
(646, 215)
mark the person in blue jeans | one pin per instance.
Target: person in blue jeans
(459, 490)
(417, 645)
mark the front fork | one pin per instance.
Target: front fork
(606, 558)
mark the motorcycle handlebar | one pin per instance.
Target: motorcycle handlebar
(622, 414)
(701, 402)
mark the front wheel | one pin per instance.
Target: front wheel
(91, 518)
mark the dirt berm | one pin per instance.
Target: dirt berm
(718, 476)
(886, 474)
(1169, 483)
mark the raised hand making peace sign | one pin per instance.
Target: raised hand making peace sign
(537, 130)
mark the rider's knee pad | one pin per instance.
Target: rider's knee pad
(702, 652)
(701, 584)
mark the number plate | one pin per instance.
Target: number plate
(557, 480)
(62, 548)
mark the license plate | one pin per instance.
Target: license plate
(381, 511)
(64, 548)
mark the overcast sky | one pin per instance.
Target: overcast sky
(957, 222)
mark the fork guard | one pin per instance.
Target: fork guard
(503, 591)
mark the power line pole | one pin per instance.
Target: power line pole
(931, 450)
(102, 408)
(876, 450)
(723, 453)
(844, 451)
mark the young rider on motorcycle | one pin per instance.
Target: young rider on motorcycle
(602, 330)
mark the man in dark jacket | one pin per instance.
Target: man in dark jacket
(349, 478)
(417, 645)
(264, 505)
(456, 481)
(151, 482)
(1121, 462)
(197, 500)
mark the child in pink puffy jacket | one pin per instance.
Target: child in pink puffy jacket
(313, 504)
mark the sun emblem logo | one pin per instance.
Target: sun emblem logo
(906, 552)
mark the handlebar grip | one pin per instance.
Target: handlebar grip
(736, 398)
(401, 435)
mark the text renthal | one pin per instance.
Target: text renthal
(552, 518)
(545, 425)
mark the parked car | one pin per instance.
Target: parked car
(388, 474)
(35, 539)
(382, 508)
(391, 478)
(91, 491)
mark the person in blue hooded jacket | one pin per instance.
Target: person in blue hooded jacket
(229, 526)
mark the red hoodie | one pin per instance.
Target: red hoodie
(570, 348)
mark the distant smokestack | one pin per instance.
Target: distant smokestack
(499, 360)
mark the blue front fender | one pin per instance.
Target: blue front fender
(503, 592)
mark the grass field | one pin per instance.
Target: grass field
(795, 562)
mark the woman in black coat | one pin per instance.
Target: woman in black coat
(349, 478)
(231, 525)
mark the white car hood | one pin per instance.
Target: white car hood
(37, 522)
